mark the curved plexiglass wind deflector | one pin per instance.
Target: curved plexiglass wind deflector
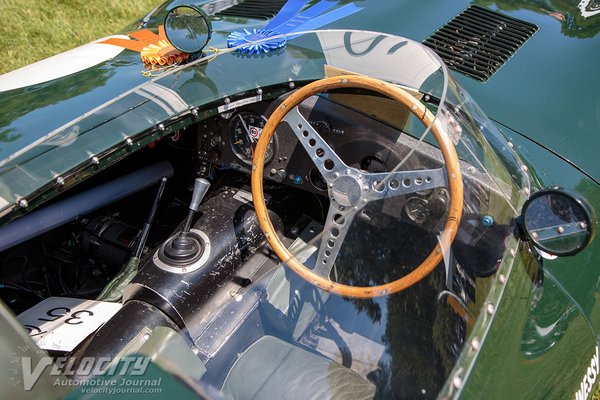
(418, 210)
(188, 29)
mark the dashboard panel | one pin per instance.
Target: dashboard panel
(359, 138)
(228, 140)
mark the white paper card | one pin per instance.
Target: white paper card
(61, 323)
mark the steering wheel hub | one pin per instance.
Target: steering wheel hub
(346, 191)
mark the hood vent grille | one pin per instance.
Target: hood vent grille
(478, 41)
(258, 9)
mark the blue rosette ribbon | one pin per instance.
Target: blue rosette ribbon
(248, 39)
(288, 20)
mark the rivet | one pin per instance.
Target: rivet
(331, 185)
(194, 112)
(292, 85)
(335, 174)
(475, 344)
(414, 108)
(490, 309)
(502, 278)
(534, 235)
(23, 203)
(583, 225)
(146, 336)
(60, 180)
(512, 252)
(348, 172)
(560, 229)
(524, 168)
(526, 191)
(95, 160)
(457, 382)
(195, 350)
(259, 91)
(511, 145)
(161, 127)
(283, 106)
(129, 142)
(227, 100)
(344, 80)
(427, 97)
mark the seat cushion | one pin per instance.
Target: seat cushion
(273, 369)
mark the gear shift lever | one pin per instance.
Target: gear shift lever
(185, 248)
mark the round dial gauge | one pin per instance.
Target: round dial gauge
(244, 131)
(417, 209)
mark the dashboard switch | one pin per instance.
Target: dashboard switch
(278, 174)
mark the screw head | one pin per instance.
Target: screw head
(23, 203)
(457, 382)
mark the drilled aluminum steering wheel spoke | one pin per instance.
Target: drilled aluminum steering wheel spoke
(324, 158)
(334, 232)
(384, 185)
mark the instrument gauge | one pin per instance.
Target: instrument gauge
(417, 210)
(245, 129)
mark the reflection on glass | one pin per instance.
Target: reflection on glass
(187, 29)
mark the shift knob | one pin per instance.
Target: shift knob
(201, 186)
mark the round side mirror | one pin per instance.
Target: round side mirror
(188, 29)
(558, 222)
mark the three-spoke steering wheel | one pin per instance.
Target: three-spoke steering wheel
(351, 189)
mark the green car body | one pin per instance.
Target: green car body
(537, 335)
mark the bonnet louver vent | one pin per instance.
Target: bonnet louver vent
(477, 41)
(258, 9)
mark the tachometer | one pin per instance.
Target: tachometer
(244, 131)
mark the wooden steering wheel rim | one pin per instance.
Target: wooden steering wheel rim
(452, 166)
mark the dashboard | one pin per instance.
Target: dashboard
(228, 140)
